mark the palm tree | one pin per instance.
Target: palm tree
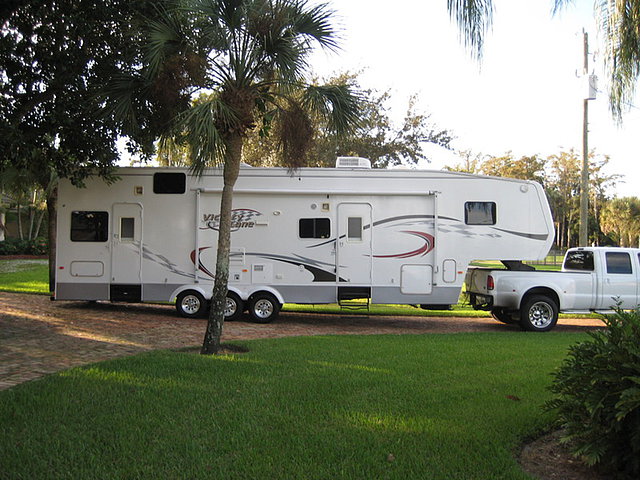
(250, 57)
(619, 25)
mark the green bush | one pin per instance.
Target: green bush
(598, 396)
(14, 246)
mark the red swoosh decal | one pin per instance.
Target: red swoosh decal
(429, 243)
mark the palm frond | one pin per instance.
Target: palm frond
(202, 127)
(618, 27)
(340, 104)
(474, 19)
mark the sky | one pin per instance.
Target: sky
(524, 96)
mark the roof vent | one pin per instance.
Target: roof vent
(353, 162)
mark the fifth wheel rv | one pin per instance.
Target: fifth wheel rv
(316, 235)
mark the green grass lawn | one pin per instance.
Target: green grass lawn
(334, 407)
(24, 276)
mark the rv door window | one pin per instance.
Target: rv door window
(314, 228)
(89, 226)
(354, 229)
(169, 182)
(127, 229)
(480, 213)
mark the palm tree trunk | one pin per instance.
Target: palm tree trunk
(211, 342)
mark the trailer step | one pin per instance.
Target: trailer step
(355, 304)
(354, 298)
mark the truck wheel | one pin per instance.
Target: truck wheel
(263, 307)
(233, 307)
(191, 304)
(539, 313)
(501, 315)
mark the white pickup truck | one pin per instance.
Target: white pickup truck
(593, 279)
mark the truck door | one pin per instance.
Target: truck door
(618, 281)
(126, 251)
(353, 245)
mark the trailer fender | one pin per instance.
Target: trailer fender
(272, 291)
(205, 292)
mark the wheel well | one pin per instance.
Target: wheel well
(547, 292)
(271, 292)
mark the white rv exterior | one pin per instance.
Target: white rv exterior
(311, 236)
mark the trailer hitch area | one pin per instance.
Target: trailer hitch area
(481, 302)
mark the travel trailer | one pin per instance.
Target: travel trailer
(310, 236)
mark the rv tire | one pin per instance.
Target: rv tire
(263, 307)
(191, 304)
(233, 307)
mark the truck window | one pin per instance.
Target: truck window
(314, 228)
(618, 262)
(169, 182)
(89, 226)
(579, 260)
(480, 213)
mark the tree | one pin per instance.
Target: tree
(376, 137)
(55, 57)
(251, 55)
(470, 162)
(524, 168)
(621, 216)
(618, 24)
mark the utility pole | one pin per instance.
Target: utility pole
(584, 184)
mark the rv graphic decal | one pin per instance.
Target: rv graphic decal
(321, 271)
(240, 218)
(429, 243)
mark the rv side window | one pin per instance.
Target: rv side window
(89, 226)
(618, 262)
(314, 228)
(579, 260)
(169, 182)
(480, 213)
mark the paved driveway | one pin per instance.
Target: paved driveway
(38, 337)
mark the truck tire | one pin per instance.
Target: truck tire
(191, 304)
(263, 307)
(233, 307)
(501, 315)
(538, 313)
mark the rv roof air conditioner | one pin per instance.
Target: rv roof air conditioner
(353, 162)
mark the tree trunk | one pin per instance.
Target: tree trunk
(19, 213)
(52, 207)
(211, 342)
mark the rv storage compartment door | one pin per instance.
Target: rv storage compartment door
(416, 279)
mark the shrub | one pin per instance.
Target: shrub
(598, 396)
(14, 246)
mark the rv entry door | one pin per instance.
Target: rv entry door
(353, 246)
(126, 245)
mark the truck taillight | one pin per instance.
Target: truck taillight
(490, 284)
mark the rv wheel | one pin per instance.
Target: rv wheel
(263, 307)
(233, 307)
(190, 304)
